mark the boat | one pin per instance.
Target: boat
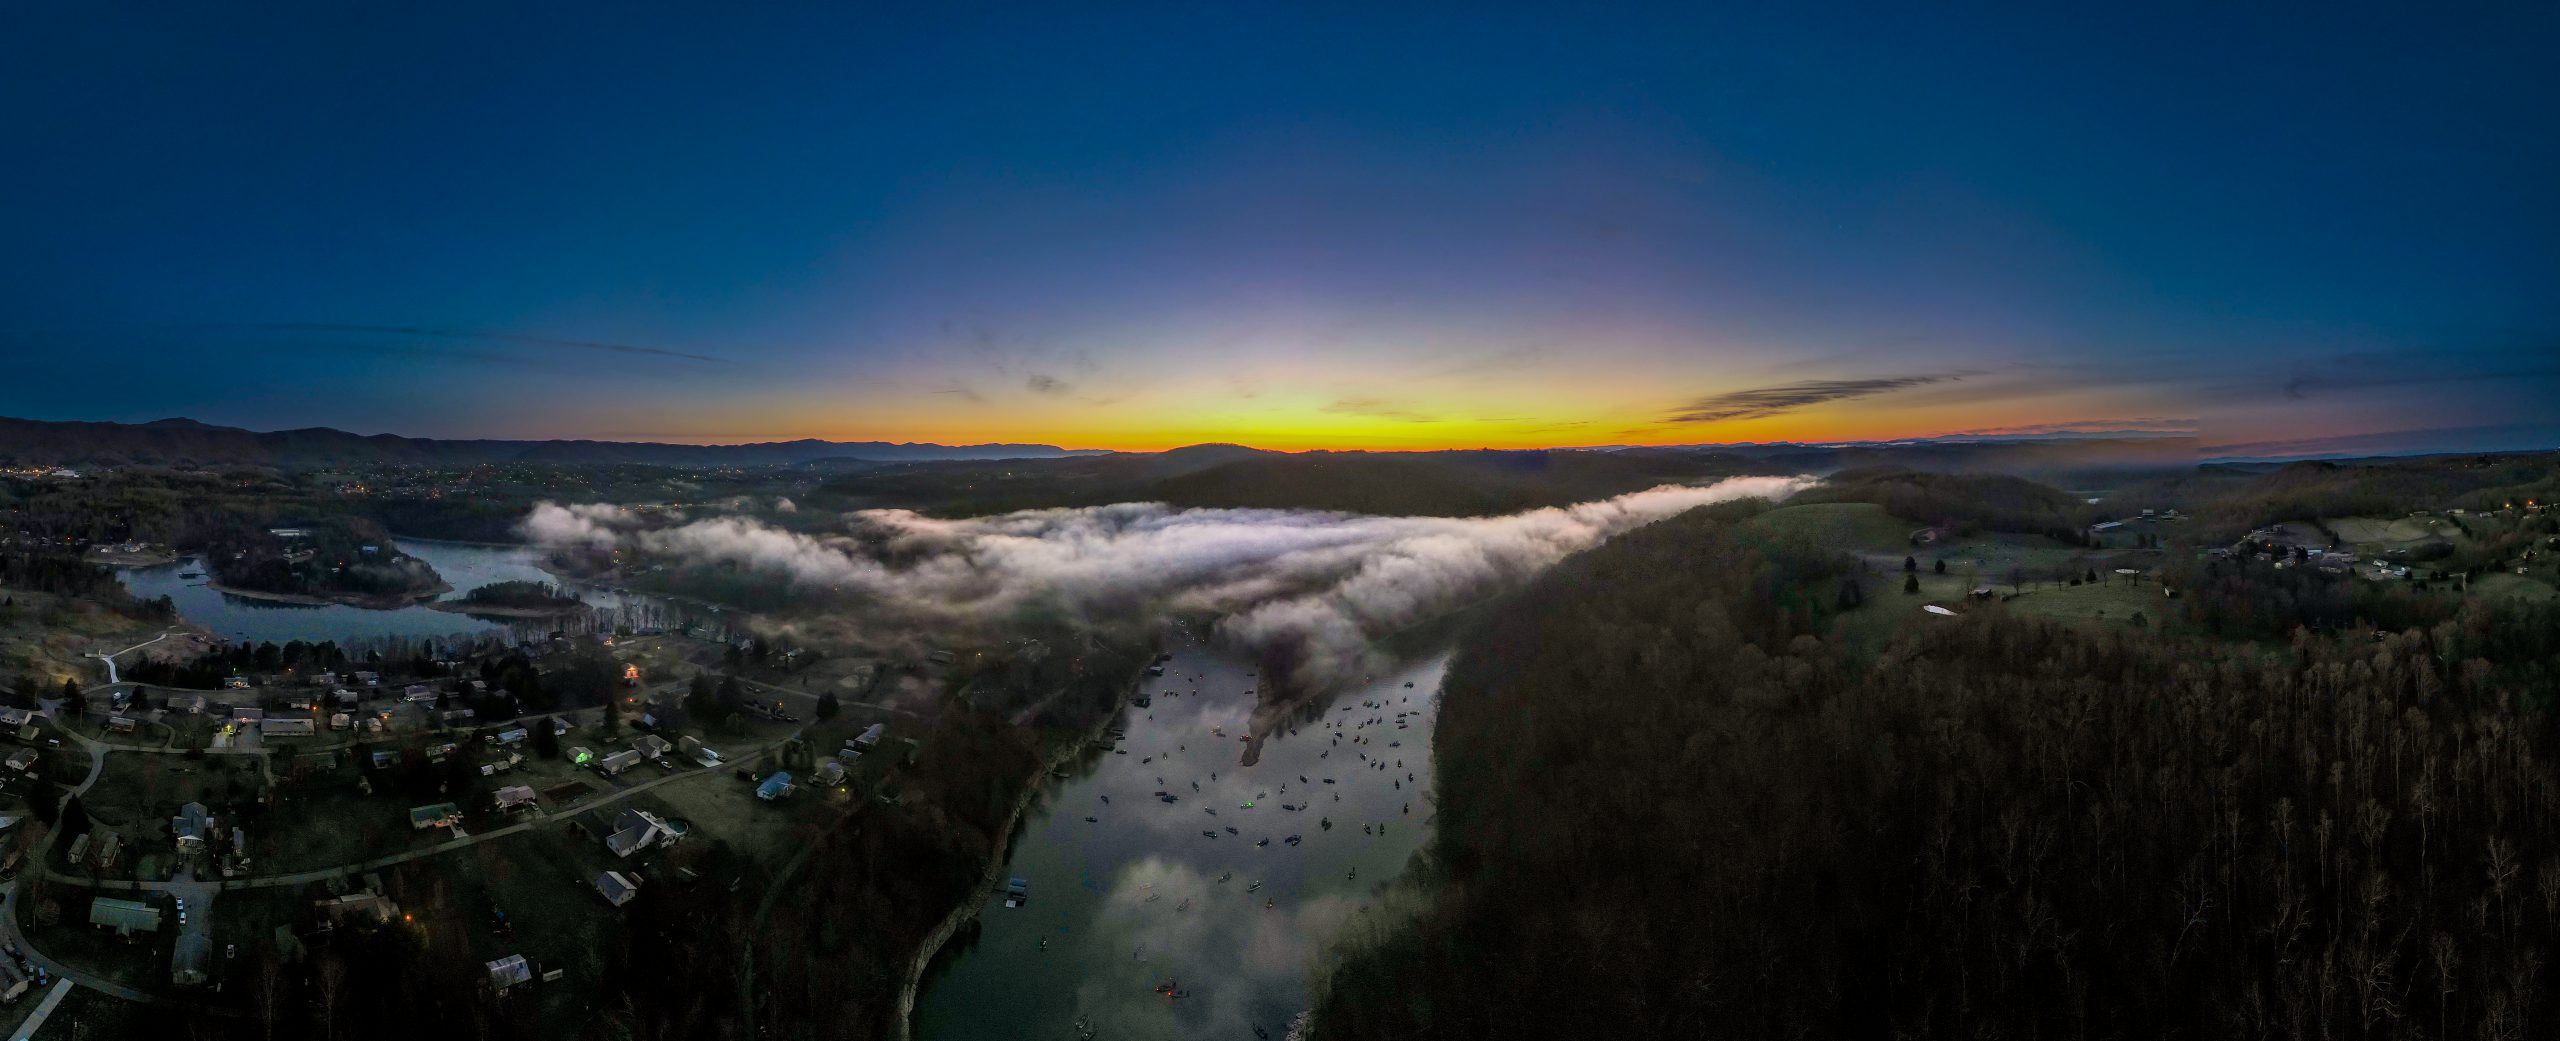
(1257, 885)
(1090, 820)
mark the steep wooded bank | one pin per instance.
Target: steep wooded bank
(1669, 811)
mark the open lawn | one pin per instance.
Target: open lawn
(2110, 603)
(1858, 527)
(2503, 585)
(725, 809)
(2387, 530)
(1888, 610)
(323, 820)
(142, 789)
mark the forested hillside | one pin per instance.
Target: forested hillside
(1670, 810)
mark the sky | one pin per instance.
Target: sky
(1288, 225)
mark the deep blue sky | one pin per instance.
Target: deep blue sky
(1284, 224)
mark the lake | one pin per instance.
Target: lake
(465, 566)
(1140, 898)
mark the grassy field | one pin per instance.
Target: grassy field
(2109, 603)
(1859, 527)
(323, 820)
(1889, 611)
(45, 636)
(140, 789)
(2503, 585)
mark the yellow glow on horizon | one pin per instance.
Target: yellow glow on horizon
(1379, 413)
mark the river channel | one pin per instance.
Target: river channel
(1204, 916)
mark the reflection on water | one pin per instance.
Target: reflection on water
(1139, 898)
(464, 566)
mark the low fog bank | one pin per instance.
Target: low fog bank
(1309, 593)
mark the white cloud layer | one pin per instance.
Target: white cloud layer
(1315, 589)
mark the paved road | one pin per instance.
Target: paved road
(35, 1019)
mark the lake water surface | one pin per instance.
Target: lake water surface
(1139, 898)
(465, 566)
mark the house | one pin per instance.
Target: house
(579, 755)
(194, 706)
(79, 848)
(108, 848)
(22, 760)
(651, 745)
(635, 830)
(774, 787)
(418, 692)
(559, 727)
(121, 725)
(870, 736)
(616, 763)
(435, 815)
(830, 773)
(368, 679)
(300, 726)
(126, 917)
(458, 715)
(345, 698)
(341, 721)
(617, 889)
(12, 981)
(512, 761)
(513, 797)
(191, 827)
(14, 718)
(509, 737)
(509, 971)
(247, 716)
(359, 905)
(385, 758)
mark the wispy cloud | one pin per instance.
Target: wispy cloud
(1762, 402)
(2147, 426)
(1378, 408)
(1043, 383)
(957, 389)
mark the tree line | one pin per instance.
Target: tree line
(1670, 808)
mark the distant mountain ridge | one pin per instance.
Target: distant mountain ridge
(27, 442)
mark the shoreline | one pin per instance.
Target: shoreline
(368, 603)
(466, 607)
(902, 1022)
(397, 537)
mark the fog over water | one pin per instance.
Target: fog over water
(1308, 591)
